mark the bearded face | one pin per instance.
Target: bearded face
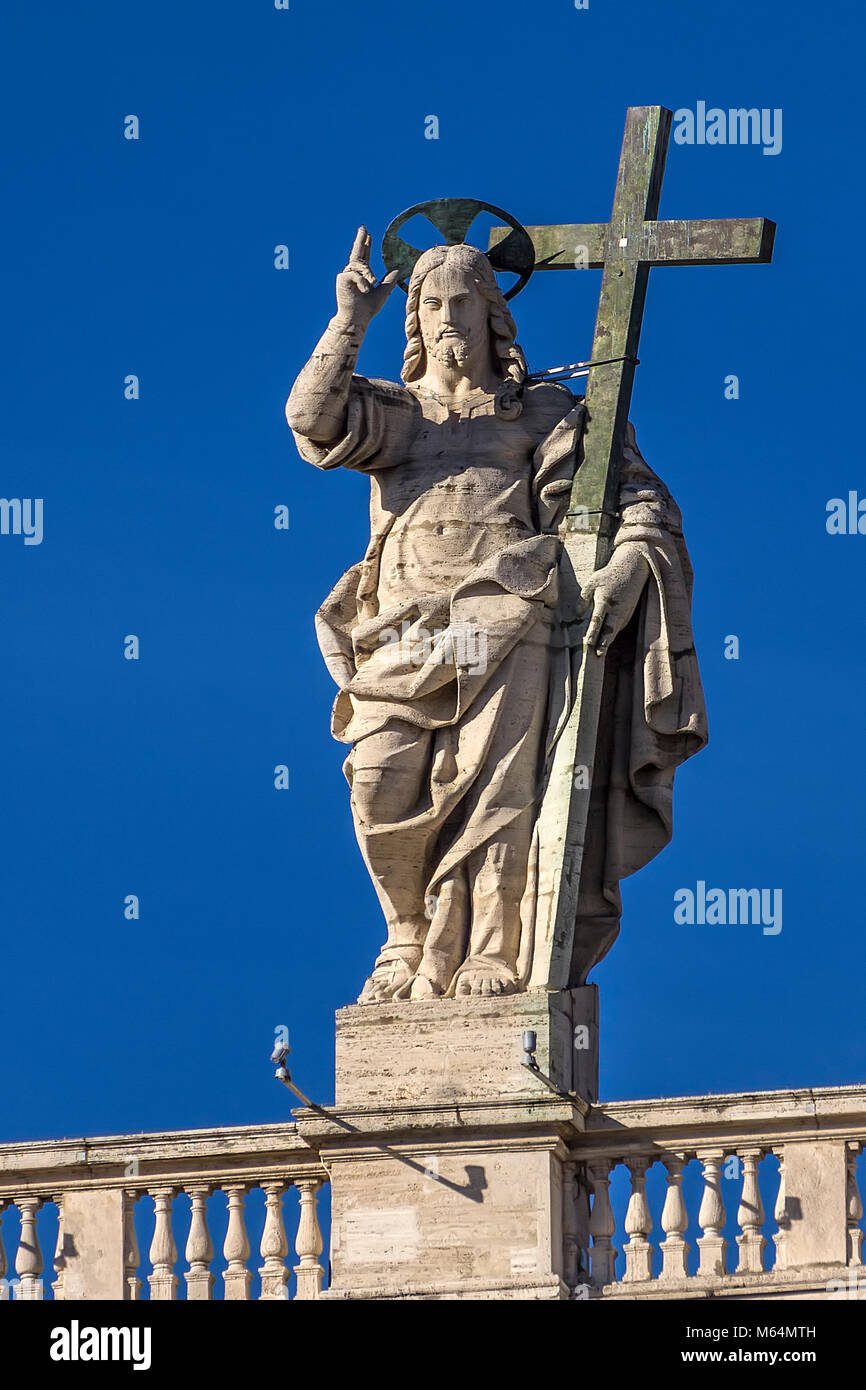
(453, 316)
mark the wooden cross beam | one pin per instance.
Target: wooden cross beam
(625, 248)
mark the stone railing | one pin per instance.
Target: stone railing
(169, 1185)
(792, 1153)
(737, 1196)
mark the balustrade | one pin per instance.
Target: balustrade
(718, 1158)
(668, 1264)
(207, 1165)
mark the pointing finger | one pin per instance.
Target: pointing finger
(359, 247)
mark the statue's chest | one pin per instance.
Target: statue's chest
(476, 454)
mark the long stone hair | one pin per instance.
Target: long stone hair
(508, 358)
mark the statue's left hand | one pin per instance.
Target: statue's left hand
(613, 593)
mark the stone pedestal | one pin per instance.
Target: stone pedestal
(466, 1049)
(449, 1162)
(814, 1222)
(93, 1252)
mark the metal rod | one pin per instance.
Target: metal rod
(573, 369)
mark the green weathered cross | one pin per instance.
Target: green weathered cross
(624, 248)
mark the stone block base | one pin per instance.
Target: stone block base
(448, 1157)
(443, 1050)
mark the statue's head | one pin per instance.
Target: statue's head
(454, 308)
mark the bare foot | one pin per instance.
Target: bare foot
(486, 980)
(422, 988)
(386, 980)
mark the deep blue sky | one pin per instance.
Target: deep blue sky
(155, 777)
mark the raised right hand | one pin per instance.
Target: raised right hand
(360, 295)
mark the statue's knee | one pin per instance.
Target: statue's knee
(381, 795)
(367, 794)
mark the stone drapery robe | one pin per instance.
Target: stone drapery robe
(451, 742)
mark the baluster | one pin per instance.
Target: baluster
(750, 1216)
(163, 1251)
(854, 1206)
(638, 1223)
(236, 1248)
(602, 1225)
(711, 1217)
(274, 1247)
(780, 1214)
(675, 1222)
(570, 1252)
(199, 1248)
(28, 1260)
(308, 1242)
(5, 1291)
(59, 1256)
(131, 1255)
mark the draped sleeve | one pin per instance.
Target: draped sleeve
(382, 416)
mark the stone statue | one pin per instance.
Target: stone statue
(446, 643)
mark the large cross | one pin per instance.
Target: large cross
(625, 248)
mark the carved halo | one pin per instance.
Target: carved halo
(452, 217)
